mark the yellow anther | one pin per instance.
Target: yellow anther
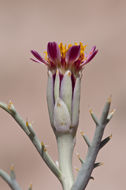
(62, 49)
(69, 45)
(82, 49)
(65, 47)
(46, 55)
(61, 45)
(82, 46)
(81, 55)
(76, 44)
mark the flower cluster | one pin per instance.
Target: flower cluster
(64, 77)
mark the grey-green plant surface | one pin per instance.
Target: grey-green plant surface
(65, 67)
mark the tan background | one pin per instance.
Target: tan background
(30, 24)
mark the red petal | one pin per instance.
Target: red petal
(73, 54)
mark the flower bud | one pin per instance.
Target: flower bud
(62, 120)
(65, 65)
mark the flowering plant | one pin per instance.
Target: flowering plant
(65, 66)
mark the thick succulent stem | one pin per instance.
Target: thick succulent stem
(66, 144)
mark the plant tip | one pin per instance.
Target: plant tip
(10, 104)
(77, 169)
(12, 167)
(90, 110)
(82, 133)
(110, 99)
(110, 136)
(27, 124)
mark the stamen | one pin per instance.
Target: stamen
(46, 55)
(69, 45)
(76, 44)
(62, 50)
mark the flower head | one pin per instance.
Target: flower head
(64, 58)
(64, 80)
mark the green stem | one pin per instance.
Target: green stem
(34, 139)
(66, 144)
(10, 181)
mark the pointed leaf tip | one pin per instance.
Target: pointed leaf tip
(92, 178)
(98, 164)
(90, 111)
(105, 141)
(12, 167)
(110, 115)
(109, 100)
(82, 133)
(30, 187)
(43, 146)
(12, 173)
(94, 117)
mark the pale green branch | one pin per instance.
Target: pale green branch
(89, 164)
(27, 128)
(10, 180)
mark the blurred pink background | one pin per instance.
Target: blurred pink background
(30, 24)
